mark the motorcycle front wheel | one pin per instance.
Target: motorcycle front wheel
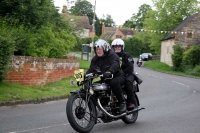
(81, 116)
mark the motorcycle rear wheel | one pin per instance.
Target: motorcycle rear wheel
(131, 118)
(81, 117)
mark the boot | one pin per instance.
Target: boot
(131, 105)
(122, 107)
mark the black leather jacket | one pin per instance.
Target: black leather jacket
(109, 62)
(127, 63)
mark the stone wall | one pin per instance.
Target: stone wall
(31, 71)
(192, 26)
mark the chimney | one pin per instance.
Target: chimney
(64, 10)
(103, 29)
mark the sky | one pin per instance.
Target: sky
(120, 10)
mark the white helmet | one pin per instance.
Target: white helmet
(102, 44)
(118, 42)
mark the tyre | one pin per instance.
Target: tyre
(131, 118)
(82, 117)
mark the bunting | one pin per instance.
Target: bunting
(149, 31)
(163, 31)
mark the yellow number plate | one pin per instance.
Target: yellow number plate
(79, 74)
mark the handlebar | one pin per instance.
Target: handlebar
(93, 75)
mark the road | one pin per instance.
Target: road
(172, 105)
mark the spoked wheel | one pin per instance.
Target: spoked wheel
(131, 118)
(81, 116)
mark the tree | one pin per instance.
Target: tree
(141, 15)
(83, 8)
(129, 24)
(29, 13)
(108, 21)
(168, 14)
(137, 20)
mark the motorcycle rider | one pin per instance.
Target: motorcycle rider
(127, 66)
(109, 63)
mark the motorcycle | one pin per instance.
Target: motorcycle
(139, 62)
(95, 102)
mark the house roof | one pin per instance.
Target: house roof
(180, 26)
(79, 21)
(126, 31)
(110, 31)
(109, 34)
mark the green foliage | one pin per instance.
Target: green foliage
(157, 65)
(48, 43)
(135, 46)
(98, 28)
(177, 57)
(29, 13)
(166, 16)
(7, 47)
(162, 67)
(39, 30)
(197, 70)
(83, 8)
(191, 56)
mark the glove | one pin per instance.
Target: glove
(107, 74)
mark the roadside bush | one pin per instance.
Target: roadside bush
(134, 46)
(191, 56)
(177, 57)
(197, 70)
(7, 46)
(48, 43)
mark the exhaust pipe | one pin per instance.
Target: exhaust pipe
(117, 116)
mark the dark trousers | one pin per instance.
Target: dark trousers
(128, 87)
(116, 85)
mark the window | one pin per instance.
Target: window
(118, 36)
(189, 34)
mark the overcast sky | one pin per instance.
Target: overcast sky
(120, 10)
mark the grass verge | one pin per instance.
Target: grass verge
(162, 67)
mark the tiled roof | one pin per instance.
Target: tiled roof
(180, 26)
(110, 31)
(109, 34)
(126, 31)
(79, 21)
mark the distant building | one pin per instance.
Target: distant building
(80, 22)
(113, 32)
(187, 33)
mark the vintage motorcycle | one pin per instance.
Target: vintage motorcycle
(95, 103)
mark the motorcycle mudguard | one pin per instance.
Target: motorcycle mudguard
(75, 91)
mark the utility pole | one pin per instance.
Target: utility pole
(93, 29)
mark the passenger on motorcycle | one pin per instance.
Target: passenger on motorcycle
(109, 63)
(127, 66)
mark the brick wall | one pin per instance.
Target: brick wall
(28, 70)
